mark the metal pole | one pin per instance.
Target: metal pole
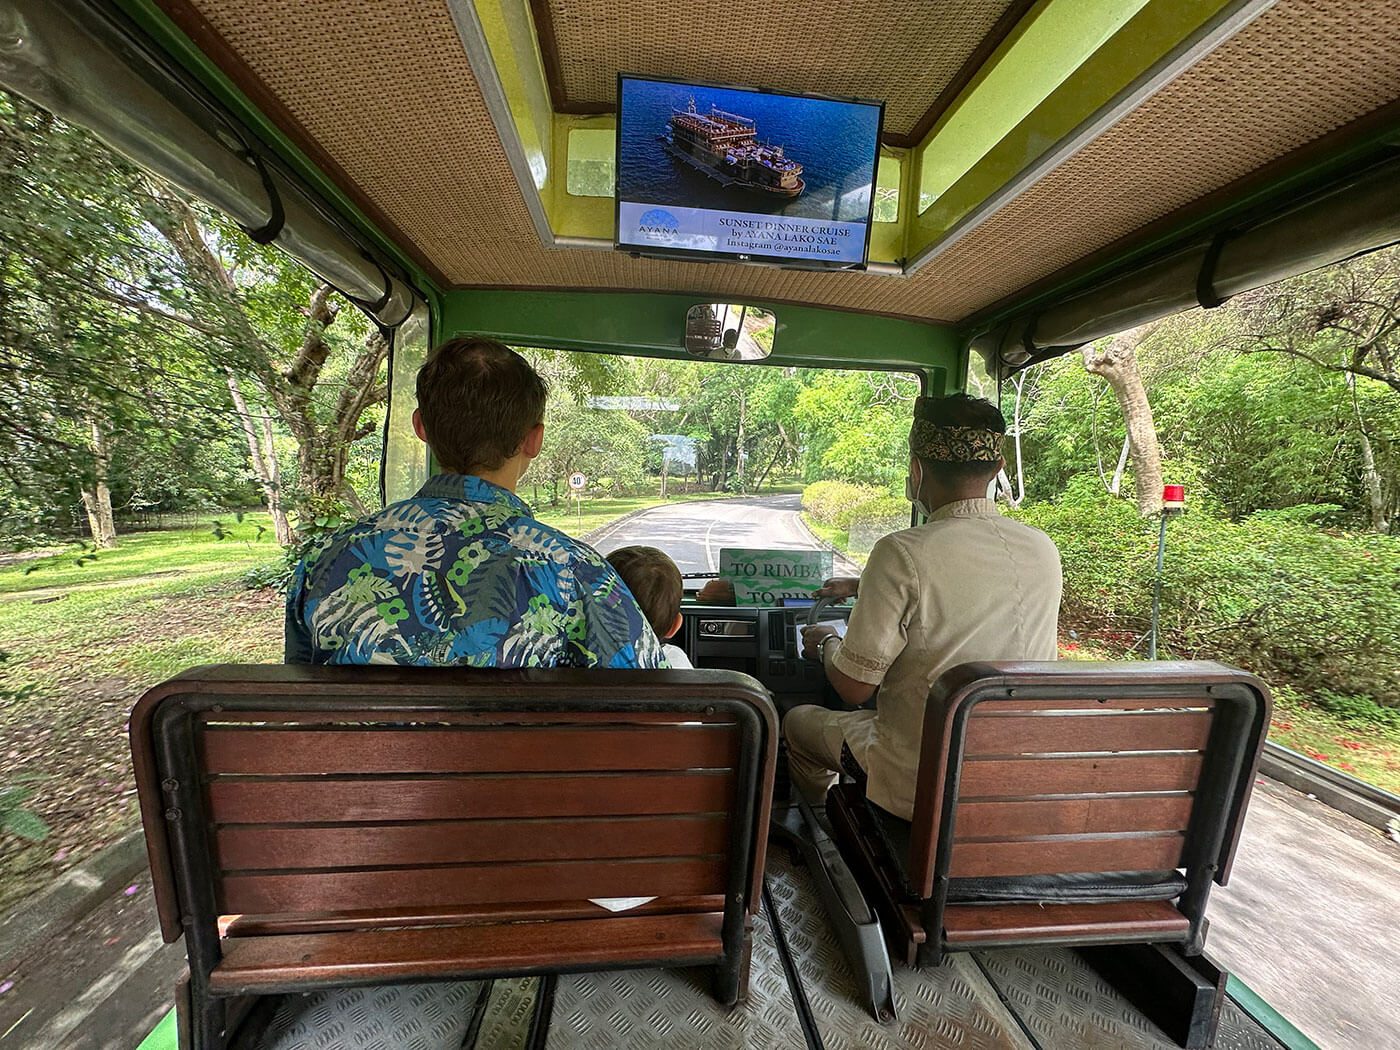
(1157, 587)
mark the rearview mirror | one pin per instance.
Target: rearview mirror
(729, 332)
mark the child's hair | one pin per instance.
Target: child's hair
(654, 581)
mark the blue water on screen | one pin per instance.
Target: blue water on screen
(835, 142)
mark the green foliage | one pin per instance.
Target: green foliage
(1313, 610)
(15, 818)
(609, 447)
(839, 503)
(1362, 709)
(857, 426)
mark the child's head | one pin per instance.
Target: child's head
(655, 582)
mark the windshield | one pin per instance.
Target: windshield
(698, 457)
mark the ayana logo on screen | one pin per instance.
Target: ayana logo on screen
(658, 224)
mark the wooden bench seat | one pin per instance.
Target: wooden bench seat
(1062, 798)
(262, 965)
(1130, 922)
(313, 827)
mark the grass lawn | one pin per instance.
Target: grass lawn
(90, 639)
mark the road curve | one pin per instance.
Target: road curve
(693, 533)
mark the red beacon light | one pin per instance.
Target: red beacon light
(1173, 498)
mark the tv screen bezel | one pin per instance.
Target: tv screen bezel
(744, 258)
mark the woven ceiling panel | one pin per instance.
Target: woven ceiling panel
(902, 51)
(1301, 70)
(386, 92)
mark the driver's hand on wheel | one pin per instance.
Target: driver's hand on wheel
(812, 639)
(838, 587)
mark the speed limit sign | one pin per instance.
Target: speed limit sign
(577, 481)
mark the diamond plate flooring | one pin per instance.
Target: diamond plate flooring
(403, 1016)
(947, 1006)
(1065, 1004)
(674, 1008)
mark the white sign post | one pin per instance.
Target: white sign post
(577, 480)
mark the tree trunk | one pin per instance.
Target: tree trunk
(97, 497)
(1117, 482)
(323, 441)
(768, 469)
(1117, 363)
(739, 445)
(263, 454)
(1370, 476)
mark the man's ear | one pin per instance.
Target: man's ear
(534, 441)
(418, 426)
(675, 626)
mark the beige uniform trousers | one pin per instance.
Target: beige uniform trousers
(814, 737)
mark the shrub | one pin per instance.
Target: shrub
(838, 503)
(1303, 607)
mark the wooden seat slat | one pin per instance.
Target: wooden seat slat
(515, 911)
(239, 801)
(244, 847)
(1060, 856)
(1137, 922)
(1072, 816)
(485, 749)
(1108, 705)
(991, 778)
(396, 715)
(1063, 733)
(469, 884)
(267, 965)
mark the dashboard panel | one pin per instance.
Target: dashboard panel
(760, 641)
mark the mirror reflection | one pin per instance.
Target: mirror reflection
(729, 332)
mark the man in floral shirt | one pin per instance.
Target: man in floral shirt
(462, 573)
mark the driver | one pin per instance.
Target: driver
(968, 584)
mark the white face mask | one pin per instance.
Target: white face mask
(912, 485)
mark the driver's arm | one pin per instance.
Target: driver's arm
(852, 691)
(878, 628)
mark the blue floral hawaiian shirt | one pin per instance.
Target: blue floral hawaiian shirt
(462, 574)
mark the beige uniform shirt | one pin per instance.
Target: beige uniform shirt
(968, 584)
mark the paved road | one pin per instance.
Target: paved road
(1311, 920)
(693, 533)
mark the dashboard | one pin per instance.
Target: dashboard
(760, 641)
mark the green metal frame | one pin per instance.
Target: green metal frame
(653, 325)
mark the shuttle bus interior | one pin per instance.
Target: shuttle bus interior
(1049, 173)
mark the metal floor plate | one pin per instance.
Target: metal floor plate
(1065, 1004)
(674, 1008)
(402, 1016)
(948, 1006)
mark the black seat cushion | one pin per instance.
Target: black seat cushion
(1074, 888)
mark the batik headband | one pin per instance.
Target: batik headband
(940, 444)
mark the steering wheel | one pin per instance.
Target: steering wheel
(815, 610)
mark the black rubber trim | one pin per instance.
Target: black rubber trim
(1010, 1006)
(544, 1013)
(1206, 294)
(483, 997)
(799, 997)
(268, 231)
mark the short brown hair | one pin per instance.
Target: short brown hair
(654, 581)
(477, 399)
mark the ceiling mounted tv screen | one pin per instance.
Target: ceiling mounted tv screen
(733, 173)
